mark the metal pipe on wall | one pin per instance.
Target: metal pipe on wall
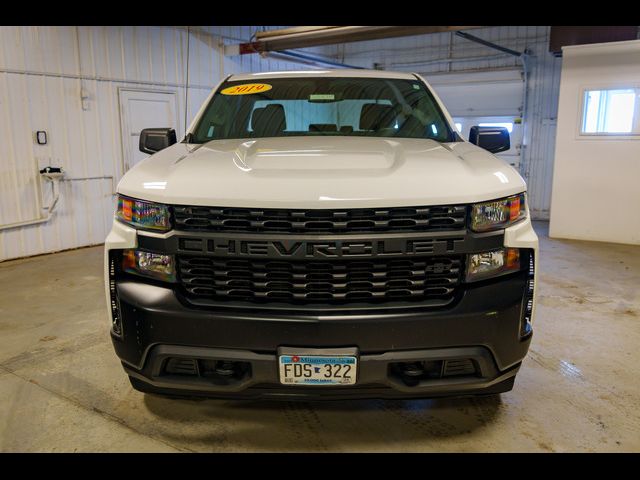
(56, 196)
(524, 159)
(452, 60)
(306, 59)
(50, 209)
(99, 177)
(98, 78)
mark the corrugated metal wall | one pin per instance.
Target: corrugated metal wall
(446, 52)
(44, 71)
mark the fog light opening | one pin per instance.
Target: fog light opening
(224, 372)
(225, 369)
(413, 373)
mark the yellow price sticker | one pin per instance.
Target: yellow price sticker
(246, 89)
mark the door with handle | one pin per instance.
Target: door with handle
(144, 109)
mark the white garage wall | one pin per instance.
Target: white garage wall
(44, 71)
(595, 183)
(445, 53)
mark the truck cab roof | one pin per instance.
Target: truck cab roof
(356, 73)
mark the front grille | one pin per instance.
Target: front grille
(401, 219)
(333, 282)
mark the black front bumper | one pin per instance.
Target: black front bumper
(483, 326)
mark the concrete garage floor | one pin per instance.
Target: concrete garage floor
(63, 389)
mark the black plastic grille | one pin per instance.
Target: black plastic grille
(116, 320)
(452, 368)
(527, 312)
(402, 219)
(182, 366)
(333, 282)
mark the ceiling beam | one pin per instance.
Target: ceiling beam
(263, 35)
(302, 37)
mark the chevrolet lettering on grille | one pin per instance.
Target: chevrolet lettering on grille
(221, 247)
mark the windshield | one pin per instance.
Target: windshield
(283, 107)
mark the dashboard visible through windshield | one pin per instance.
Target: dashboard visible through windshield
(320, 106)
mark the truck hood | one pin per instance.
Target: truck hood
(321, 172)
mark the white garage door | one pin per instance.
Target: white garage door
(477, 98)
(483, 94)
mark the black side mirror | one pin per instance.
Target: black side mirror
(153, 140)
(493, 139)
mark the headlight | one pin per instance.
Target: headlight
(498, 213)
(146, 215)
(155, 265)
(492, 264)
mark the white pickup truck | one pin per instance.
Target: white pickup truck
(322, 234)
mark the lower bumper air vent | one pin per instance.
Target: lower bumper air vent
(413, 373)
(219, 372)
(182, 366)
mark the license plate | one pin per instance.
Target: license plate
(317, 370)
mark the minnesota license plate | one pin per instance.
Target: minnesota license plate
(317, 370)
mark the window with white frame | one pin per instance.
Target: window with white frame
(613, 111)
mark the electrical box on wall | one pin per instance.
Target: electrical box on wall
(41, 137)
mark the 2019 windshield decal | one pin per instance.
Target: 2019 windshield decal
(246, 89)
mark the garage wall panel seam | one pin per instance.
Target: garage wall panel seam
(43, 75)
